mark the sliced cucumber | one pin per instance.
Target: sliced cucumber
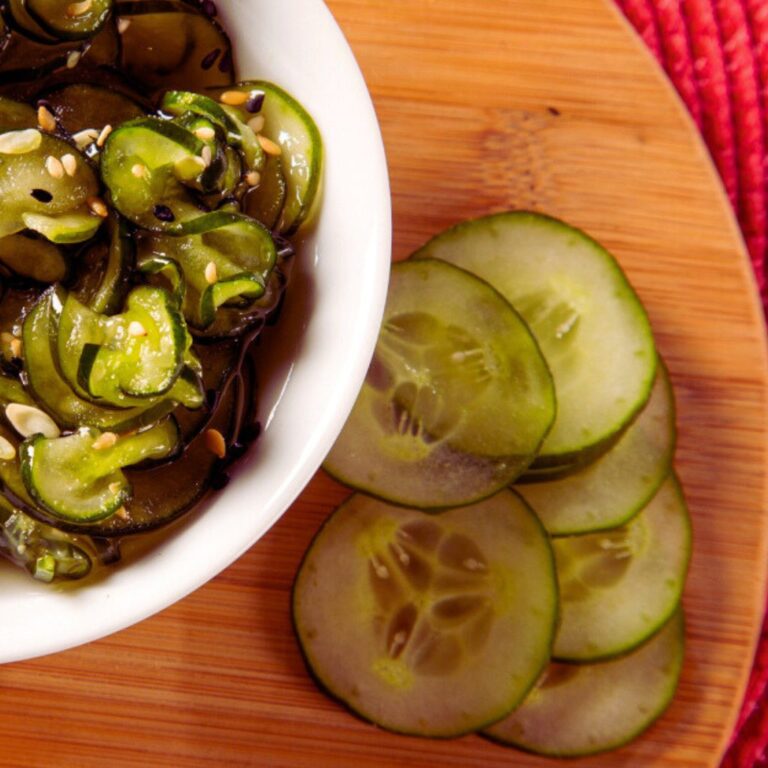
(288, 125)
(140, 352)
(15, 114)
(64, 20)
(173, 44)
(33, 257)
(583, 709)
(457, 399)
(446, 620)
(265, 201)
(621, 482)
(50, 388)
(153, 197)
(619, 587)
(33, 196)
(592, 328)
(240, 249)
(78, 477)
(104, 269)
(82, 105)
(46, 553)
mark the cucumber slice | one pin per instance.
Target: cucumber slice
(446, 620)
(65, 228)
(32, 196)
(457, 399)
(75, 479)
(265, 201)
(15, 114)
(585, 709)
(591, 326)
(64, 20)
(82, 105)
(621, 482)
(102, 282)
(145, 363)
(619, 587)
(46, 553)
(173, 44)
(240, 249)
(288, 124)
(51, 390)
(33, 257)
(154, 198)
(162, 494)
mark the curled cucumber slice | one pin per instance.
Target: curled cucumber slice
(37, 193)
(457, 399)
(430, 625)
(288, 126)
(79, 477)
(583, 709)
(618, 587)
(590, 324)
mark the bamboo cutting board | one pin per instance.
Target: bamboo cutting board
(544, 104)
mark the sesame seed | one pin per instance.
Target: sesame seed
(85, 137)
(98, 207)
(253, 178)
(103, 441)
(16, 348)
(41, 195)
(139, 170)
(255, 101)
(78, 9)
(214, 442)
(28, 420)
(210, 58)
(54, 167)
(69, 162)
(45, 119)
(105, 131)
(205, 133)
(207, 155)
(122, 25)
(114, 487)
(211, 275)
(163, 213)
(73, 59)
(256, 124)
(233, 98)
(269, 146)
(20, 142)
(122, 513)
(136, 329)
(7, 451)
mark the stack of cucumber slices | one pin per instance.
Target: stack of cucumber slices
(148, 199)
(513, 559)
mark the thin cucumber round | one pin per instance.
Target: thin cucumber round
(590, 324)
(611, 490)
(619, 587)
(429, 625)
(584, 709)
(290, 126)
(457, 399)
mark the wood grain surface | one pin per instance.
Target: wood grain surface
(544, 104)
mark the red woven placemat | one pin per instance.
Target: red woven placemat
(716, 54)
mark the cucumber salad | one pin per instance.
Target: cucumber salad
(149, 199)
(513, 556)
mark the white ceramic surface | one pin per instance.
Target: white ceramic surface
(318, 356)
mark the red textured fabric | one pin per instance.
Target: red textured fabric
(716, 54)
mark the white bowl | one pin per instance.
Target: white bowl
(330, 322)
